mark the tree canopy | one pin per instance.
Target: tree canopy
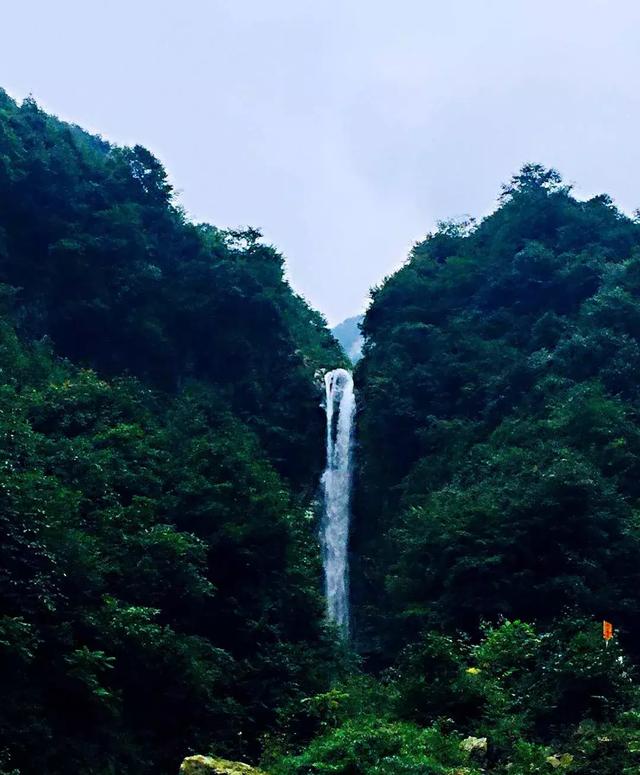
(159, 417)
(161, 444)
(499, 423)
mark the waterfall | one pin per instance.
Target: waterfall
(336, 484)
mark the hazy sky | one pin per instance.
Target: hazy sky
(344, 129)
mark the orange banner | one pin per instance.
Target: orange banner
(607, 630)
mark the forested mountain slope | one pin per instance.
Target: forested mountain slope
(161, 442)
(500, 437)
(497, 502)
(106, 265)
(159, 425)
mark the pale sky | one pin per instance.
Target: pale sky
(344, 130)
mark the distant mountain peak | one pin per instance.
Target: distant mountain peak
(349, 336)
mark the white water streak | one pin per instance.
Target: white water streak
(336, 482)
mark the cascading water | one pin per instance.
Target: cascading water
(336, 483)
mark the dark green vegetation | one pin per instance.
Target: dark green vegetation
(518, 700)
(161, 440)
(499, 483)
(497, 505)
(500, 462)
(159, 423)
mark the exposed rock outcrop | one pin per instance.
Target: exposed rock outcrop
(207, 765)
(474, 745)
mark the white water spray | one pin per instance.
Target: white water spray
(336, 482)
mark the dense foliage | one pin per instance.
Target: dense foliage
(500, 441)
(159, 423)
(499, 451)
(107, 266)
(518, 701)
(161, 439)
